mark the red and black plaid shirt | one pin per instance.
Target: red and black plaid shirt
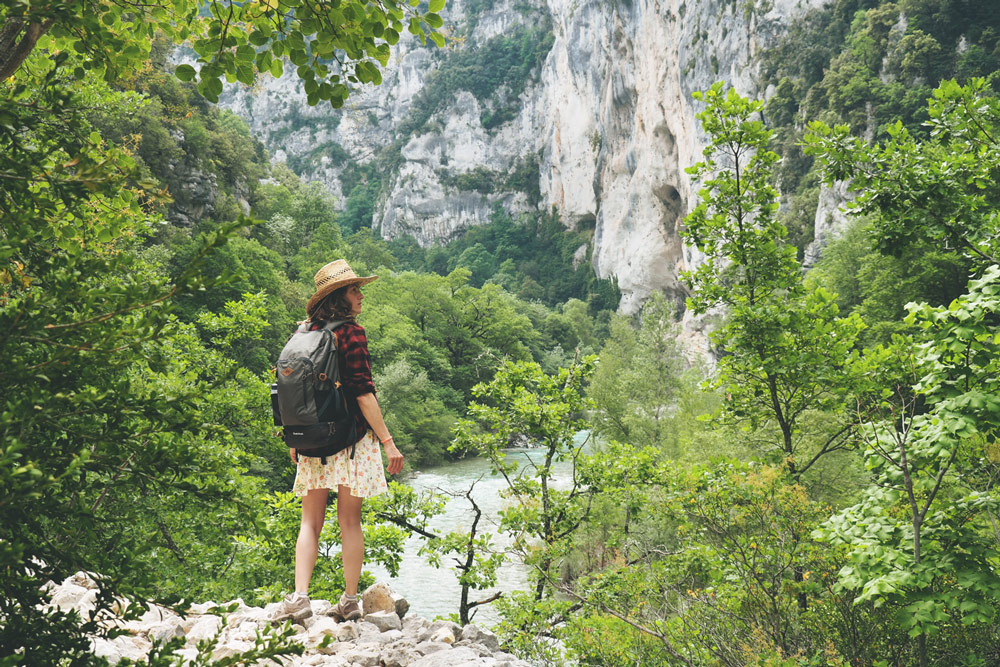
(355, 367)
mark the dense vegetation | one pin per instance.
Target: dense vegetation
(824, 495)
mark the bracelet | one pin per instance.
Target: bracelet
(389, 439)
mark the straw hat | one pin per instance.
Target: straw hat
(332, 277)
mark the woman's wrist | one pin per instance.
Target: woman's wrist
(386, 439)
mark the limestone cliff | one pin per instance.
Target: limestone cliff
(603, 128)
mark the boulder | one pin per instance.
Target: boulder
(384, 620)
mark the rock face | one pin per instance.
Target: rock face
(380, 638)
(608, 119)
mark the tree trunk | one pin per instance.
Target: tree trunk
(17, 39)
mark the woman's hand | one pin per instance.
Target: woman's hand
(395, 457)
(292, 453)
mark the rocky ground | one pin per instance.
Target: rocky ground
(384, 637)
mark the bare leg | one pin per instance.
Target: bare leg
(307, 546)
(352, 539)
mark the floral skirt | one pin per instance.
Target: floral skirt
(363, 475)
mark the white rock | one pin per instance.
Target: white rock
(164, 631)
(456, 657)
(231, 648)
(202, 607)
(205, 627)
(428, 647)
(441, 631)
(476, 635)
(384, 620)
(347, 632)
(323, 626)
(399, 656)
(361, 655)
(83, 579)
(446, 635)
(243, 631)
(70, 596)
(187, 654)
(414, 626)
(119, 648)
(378, 597)
(321, 607)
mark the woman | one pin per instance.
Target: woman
(338, 297)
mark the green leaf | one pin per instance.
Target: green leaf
(436, 5)
(185, 72)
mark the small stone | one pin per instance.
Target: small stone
(347, 632)
(378, 597)
(476, 635)
(321, 607)
(384, 620)
(431, 630)
(446, 635)
(402, 606)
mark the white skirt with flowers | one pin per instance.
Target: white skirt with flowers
(363, 475)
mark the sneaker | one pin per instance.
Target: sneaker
(294, 607)
(346, 610)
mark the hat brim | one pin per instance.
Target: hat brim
(330, 288)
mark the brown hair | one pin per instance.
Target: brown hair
(335, 306)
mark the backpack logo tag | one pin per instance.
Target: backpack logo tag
(287, 371)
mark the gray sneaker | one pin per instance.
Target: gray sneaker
(346, 610)
(294, 607)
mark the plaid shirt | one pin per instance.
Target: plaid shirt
(355, 367)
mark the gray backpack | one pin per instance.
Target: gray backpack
(307, 399)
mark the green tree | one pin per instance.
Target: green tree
(638, 377)
(923, 538)
(522, 402)
(937, 190)
(786, 351)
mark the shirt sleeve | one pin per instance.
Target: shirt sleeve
(356, 368)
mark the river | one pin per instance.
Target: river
(434, 592)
